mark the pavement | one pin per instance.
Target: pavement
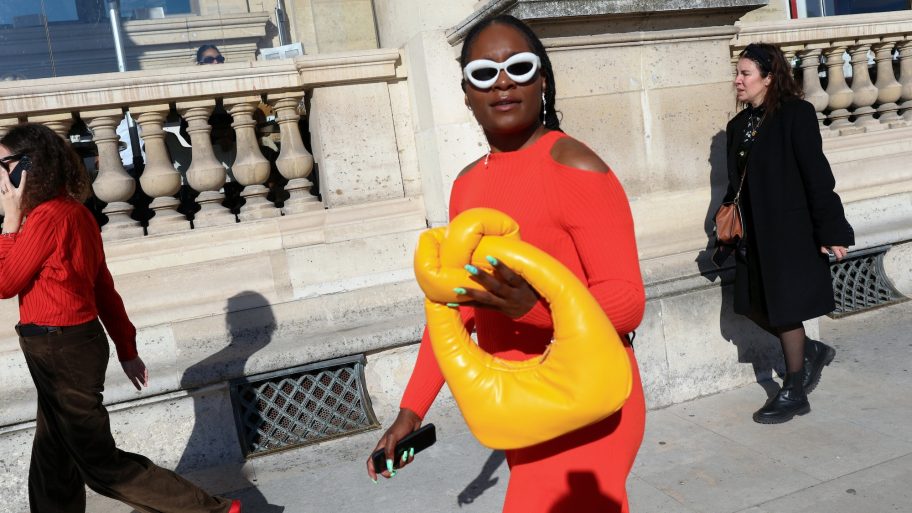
(851, 454)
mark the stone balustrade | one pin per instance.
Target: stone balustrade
(186, 100)
(876, 95)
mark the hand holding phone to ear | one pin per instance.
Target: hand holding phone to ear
(11, 194)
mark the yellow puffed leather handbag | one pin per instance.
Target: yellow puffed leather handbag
(584, 376)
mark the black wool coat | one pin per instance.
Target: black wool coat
(793, 211)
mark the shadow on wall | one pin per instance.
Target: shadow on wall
(214, 440)
(754, 345)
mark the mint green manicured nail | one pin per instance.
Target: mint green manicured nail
(472, 269)
(374, 480)
(411, 452)
(459, 290)
(389, 466)
(404, 457)
(453, 305)
(491, 260)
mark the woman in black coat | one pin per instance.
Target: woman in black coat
(792, 221)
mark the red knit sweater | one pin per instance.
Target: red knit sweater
(56, 264)
(581, 218)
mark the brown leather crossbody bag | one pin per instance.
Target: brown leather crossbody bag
(729, 224)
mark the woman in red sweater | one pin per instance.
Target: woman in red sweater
(568, 203)
(52, 256)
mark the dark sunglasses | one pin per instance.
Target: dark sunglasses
(210, 59)
(5, 161)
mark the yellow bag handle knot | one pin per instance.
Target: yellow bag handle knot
(582, 378)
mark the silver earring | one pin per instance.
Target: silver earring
(545, 107)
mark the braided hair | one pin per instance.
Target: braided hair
(550, 120)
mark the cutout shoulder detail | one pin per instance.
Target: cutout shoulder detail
(569, 152)
(470, 166)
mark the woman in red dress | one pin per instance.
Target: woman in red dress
(568, 203)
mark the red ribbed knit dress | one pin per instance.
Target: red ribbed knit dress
(583, 219)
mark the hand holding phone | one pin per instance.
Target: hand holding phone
(418, 440)
(15, 176)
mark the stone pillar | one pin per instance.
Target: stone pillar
(205, 174)
(112, 185)
(905, 78)
(888, 88)
(354, 140)
(839, 92)
(810, 78)
(60, 123)
(294, 162)
(159, 180)
(864, 92)
(250, 168)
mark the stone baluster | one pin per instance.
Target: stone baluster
(160, 181)
(810, 79)
(864, 92)
(205, 174)
(790, 53)
(294, 161)
(905, 78)
(59, 123)
(6, 124)
(839, 92)
(250, 168)
(888, 88)
(112, 185)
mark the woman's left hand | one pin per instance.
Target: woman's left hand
(838, 251)
(11, 198)
(505, 291)
(136, 372)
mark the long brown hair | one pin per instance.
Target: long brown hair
(771, 61)
(56, 168)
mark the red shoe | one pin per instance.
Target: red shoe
(235, 506)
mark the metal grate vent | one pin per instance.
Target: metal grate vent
(859, 282)
(301, 406)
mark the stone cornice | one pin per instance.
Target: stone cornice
(638, 37)
(830, 29)
(116, 90)
(557, 9)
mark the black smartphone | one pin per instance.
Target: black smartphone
(420, 439)
(25, 164)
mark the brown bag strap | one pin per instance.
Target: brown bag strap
(738, 194)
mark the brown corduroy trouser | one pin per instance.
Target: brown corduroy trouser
(73, 445)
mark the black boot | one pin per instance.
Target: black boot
(817, 355)
(790, 401)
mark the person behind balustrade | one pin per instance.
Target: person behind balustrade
(793, 220)
(570, 204)
(51, 255)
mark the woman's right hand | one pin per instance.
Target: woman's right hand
(11, 199)
(406, 422)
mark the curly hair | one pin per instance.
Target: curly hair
(56, 167)
(771, 61)
(549, 116)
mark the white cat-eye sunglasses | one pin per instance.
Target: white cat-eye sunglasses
(483, 73)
